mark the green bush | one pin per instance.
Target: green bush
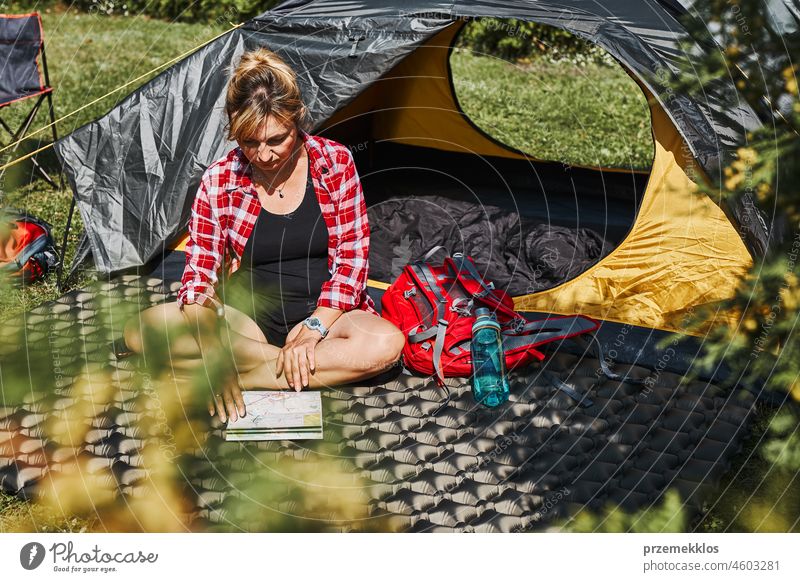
(234, 11)
(513, 39)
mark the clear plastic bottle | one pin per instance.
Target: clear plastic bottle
(489, 384)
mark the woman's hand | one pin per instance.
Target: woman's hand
(296, 358)
(229, 403)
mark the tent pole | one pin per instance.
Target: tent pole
(59, 282)
(51, 107)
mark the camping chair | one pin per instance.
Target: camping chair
(21, 41)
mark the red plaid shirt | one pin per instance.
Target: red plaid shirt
(226, 207)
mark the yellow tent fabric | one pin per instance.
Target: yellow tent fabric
(681, 253)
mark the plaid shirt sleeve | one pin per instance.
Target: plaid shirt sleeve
(348, 281)
(204, 252)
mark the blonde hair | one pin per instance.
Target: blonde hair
(262, 85)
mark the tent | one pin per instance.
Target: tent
(376, 77)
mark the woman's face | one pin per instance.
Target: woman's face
(271, 146)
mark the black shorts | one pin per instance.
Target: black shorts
(275, 317)
(276, 328)
(276, 333)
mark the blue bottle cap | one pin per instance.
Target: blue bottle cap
(481, 311)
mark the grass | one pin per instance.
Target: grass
(19, 516)
(591, 115)
(88, 56)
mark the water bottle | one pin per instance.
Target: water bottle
(489, 384)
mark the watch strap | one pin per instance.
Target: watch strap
(317, 326)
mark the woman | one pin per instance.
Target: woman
(288, 211)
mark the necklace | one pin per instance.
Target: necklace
(264, 180)
(279, 189)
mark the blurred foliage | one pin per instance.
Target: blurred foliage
(760, 344)
(668, 516)
(63, 372)
(513, 39)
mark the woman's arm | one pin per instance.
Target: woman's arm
(197, 296)
(344, 290)
(204, 251)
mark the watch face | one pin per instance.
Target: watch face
(316, 324)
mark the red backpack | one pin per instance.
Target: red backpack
(27, 249)
(434, 306)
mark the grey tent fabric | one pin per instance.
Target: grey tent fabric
(135, 170)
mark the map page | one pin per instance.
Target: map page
(278, 415)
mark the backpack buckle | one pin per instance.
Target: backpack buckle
(519, 324)
(409, 292)
(515, 325)
(465, 311)
(484, 292)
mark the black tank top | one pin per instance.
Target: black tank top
(283, 266)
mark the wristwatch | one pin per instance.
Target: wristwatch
(315, 324)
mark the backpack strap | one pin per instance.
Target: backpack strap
(604, 367)
(582, 399)
(537, 333)
(423, 272)
(487, 289)
(431, 252)
(423, 335)
(438, 348)
(547, 330)
(467, 266)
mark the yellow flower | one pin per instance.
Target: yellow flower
(791, 80)
(750, 324)
(748, 156)
(794, 390)
(763, 191)
(734, 177)
(790, 295)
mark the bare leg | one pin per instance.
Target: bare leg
(359, 346)
(250, 347)
(334, 367)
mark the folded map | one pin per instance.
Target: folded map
(278, 415)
